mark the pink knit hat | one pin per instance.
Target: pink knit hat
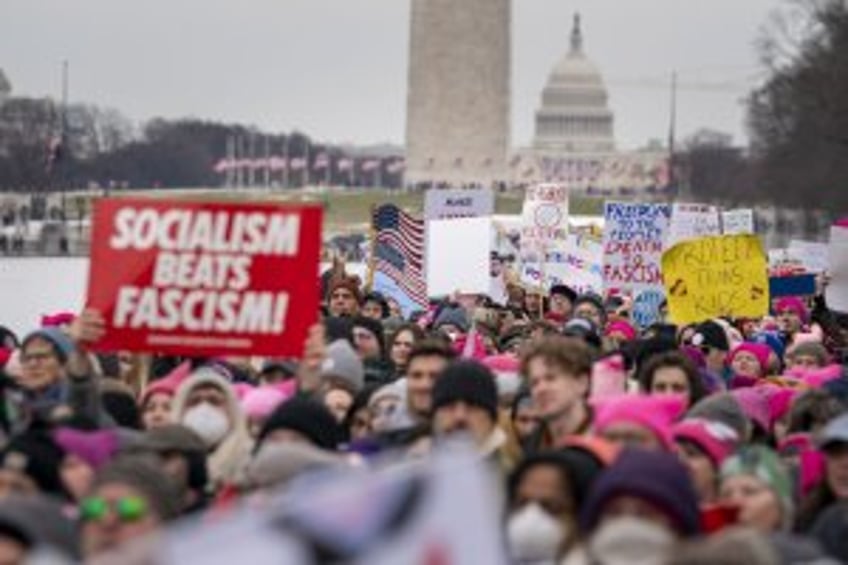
(816, 378)
(260, 402)
(794, 304)
(780, 401)
(167, 384)
(812, 463)
(623, 328)
(656, 413)
(717, 440)
(760, 351)
(754, 403)
(58, 319)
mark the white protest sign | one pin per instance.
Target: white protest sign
(738, 222)
(443, 204)
(837, 290)
(459, 256)
(692, 221)
(544, 220)
(579, 267)
(814, 256)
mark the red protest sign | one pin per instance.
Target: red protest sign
(205, 278)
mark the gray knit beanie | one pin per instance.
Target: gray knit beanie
(142, 473)
(722, 407)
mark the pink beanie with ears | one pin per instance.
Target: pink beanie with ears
(780, 401)
(656, 413)
(621, 327)
(793, 304)
(167, 384)
(758, 350)
(261, 401)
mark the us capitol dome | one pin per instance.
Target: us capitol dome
(574, 116)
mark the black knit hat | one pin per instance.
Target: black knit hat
(711, 334)
(656, 477)
(564, 290)
(306, 417)
(34, 454)
(373, 326)
(467, 381)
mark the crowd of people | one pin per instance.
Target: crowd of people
(722, 442)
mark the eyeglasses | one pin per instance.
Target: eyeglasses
(37, 356)
(127, 509)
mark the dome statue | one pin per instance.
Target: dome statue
(574, 116)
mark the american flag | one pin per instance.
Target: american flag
(278, 163)
(322, 161)
(370, 165)
(399, 252)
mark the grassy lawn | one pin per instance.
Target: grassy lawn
(347, 211)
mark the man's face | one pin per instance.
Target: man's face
(495, 267)
(590, 312)
(459, 417)
(41, 365)
(533, 302)
(111, 530)
(343, 303)
(420, 378)
(561, 305)
(555, 392)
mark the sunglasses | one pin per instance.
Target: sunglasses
(127, 509)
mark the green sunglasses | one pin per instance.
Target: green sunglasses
(127, 509)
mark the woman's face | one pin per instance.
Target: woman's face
(339, 402)
(401, 347)
(627, 434)
(157, 411)
(525, 421)
(543, 484)
(41, 366)
(746, 365)
(77, 476)
(671, 380)
(701, 469)
(837, 470)
(360, 426)
(759, 507)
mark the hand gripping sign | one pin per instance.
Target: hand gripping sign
(205, 278)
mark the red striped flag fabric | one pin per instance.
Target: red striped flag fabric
(399, 251)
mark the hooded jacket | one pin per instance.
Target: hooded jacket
(228, 459)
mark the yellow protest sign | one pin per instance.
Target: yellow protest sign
(716, 276)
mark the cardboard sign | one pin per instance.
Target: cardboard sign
(633, 244)
(544, 221)
(204, 278)
(837, 290)
(737, 222)
(716, 276)
(444, 204)
(691, 221)
(459, 256)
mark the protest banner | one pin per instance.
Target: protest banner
(814, 256)
(204, 278)
(837, 290)
(632, 249)
(444, 204)
(578, 266)
(691, 221)
(737, 222)
(459, 256)
(716, 276)
(544, 221)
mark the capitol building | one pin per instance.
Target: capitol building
(574, 141)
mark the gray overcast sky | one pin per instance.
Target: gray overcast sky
(336, 69)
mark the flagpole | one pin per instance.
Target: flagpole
(372, 256)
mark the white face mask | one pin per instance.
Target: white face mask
(631, 541)
(534, 535)
(210, 423)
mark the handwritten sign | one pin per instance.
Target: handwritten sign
(444, 204)
(633, 241)
(578, 266)
(544, 220)
(204, 279)
(737, 222)
(691, 221)
(814, 256)
(716, 276)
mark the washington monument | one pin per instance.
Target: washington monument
(457, 128)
